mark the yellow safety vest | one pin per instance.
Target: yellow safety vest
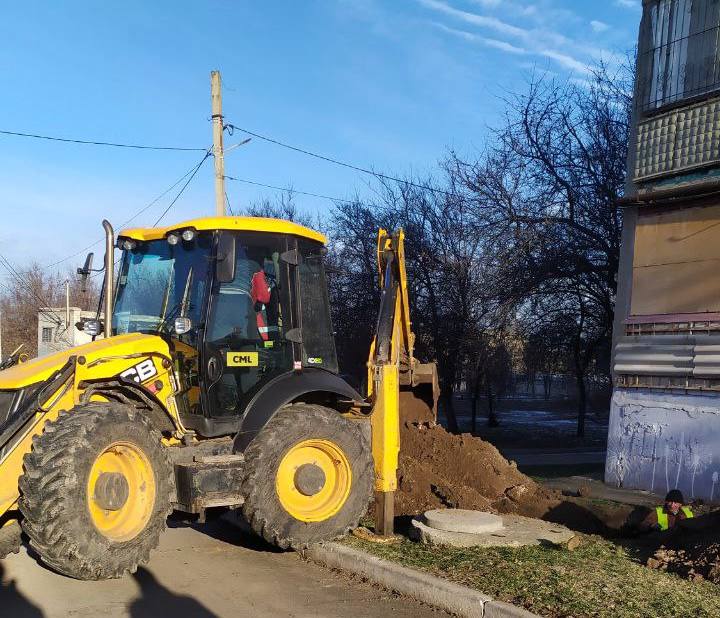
(663, 518)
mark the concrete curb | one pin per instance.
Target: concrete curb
(440, 593)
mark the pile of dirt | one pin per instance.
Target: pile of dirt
(439, 469)
(693, 552)
(700, 562)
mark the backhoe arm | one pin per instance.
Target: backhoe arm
(392, 372)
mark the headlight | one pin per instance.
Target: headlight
(188, 235)
(173, 239)
(129, 244)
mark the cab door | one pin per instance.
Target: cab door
(249, 315)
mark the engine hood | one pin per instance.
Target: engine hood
(40, 369)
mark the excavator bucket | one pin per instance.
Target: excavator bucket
(419, 400)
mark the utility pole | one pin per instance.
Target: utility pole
(67, 304)
(217, 120)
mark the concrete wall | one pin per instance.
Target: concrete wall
(659, 440)
(61, 338)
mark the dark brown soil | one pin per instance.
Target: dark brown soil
(439, 469)
(693, 551)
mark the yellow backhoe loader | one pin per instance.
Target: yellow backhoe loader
(211, 381)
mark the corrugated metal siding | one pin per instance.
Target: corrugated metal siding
(696, 356)
(654, 355)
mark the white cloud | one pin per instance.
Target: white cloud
(488, 4)
(540, 41)
(628, 4)
(598, 26)
(476, 38)
(504, 46)
(567, 61)
(475, 19)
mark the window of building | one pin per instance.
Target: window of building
(678, 51)
(46, 334)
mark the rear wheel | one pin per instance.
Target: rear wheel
(96, 491)
(309, 476)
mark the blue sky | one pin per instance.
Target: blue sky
(388, 84)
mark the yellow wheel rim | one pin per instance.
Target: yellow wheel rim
(121, 491)
(330, 480)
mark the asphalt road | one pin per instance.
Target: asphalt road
(215, 570)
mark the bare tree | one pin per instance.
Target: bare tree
(29, 291)
(548, 193)
(444, 260)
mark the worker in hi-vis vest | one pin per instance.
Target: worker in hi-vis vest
(669, 515)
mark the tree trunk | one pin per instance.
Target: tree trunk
(449, 409)
(492, 417)
(582, 403)
(476, 394)
(474, 412)
(547, 384)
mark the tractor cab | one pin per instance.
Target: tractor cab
(241, 300)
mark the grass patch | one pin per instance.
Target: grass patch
(597, 579)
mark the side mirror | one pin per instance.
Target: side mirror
(92, 327)
(85, 271)
(182, 326)
(225, 263)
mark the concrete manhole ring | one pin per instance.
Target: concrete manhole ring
(461, 520)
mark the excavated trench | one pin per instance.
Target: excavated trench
(438, 469)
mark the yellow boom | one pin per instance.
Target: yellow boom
(393, 371)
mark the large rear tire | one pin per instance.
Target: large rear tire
(96, 491)
(309, 476)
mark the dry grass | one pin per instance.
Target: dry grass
(597, 579)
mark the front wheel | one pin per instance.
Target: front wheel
(309, 476)
(96, 491)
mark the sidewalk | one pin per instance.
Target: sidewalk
(554, 457)
(598, 489)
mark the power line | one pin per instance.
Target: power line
(189, 180)
(99, 143)
(227, 201)
(135, 216)
(260, 184)
(357, 168)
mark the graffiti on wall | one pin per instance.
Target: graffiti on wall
(660, 440)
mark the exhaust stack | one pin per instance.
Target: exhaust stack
(109, 275)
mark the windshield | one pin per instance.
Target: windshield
(159, 282)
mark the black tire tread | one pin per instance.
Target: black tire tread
(266, 518)
(49, 495)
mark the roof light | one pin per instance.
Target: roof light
(128, 244)
(188, 234)
(173, 239)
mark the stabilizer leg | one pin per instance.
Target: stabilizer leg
(384, 513)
